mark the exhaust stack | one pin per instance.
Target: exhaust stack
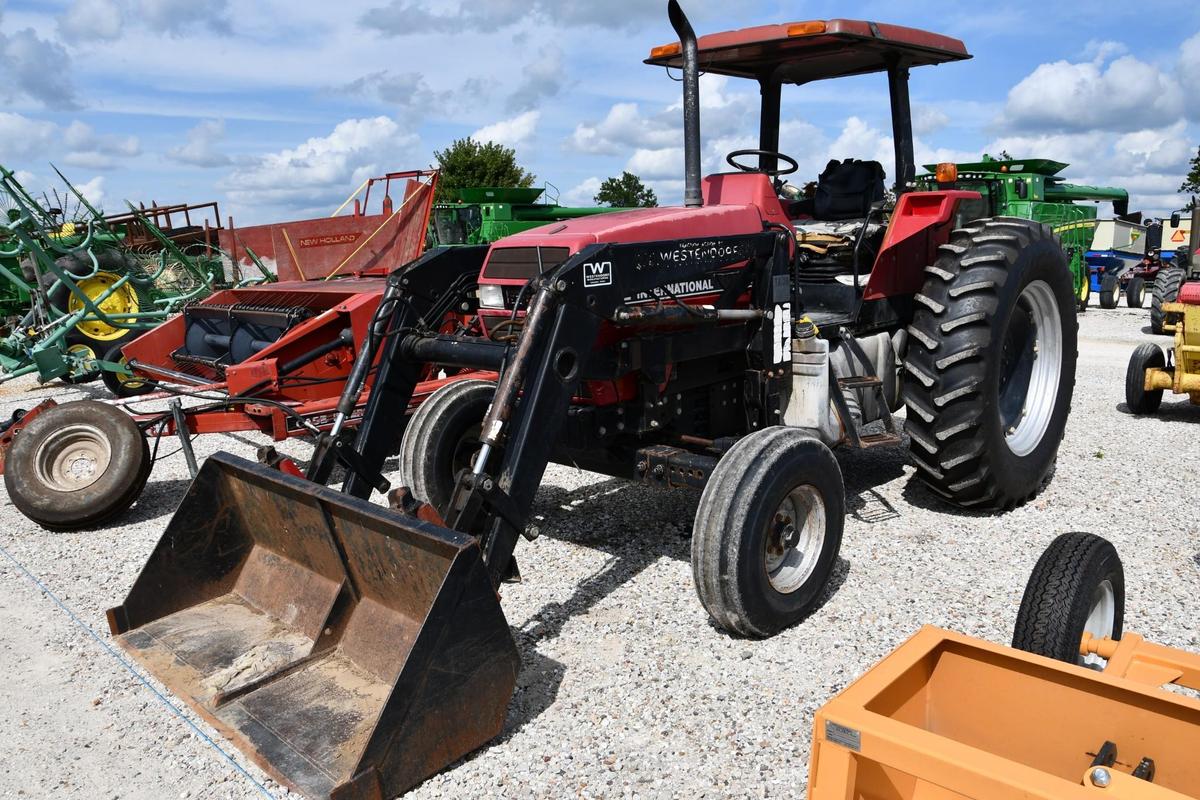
(692, 196)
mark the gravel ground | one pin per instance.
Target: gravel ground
(626, 689)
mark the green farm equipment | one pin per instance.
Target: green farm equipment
(484, 215)
(77, 287)
(1031, 189)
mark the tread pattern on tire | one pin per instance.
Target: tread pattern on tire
(1166, 290)
(945, 358)
(1048, 617)
(420, 426)
(1139, 400)
(713, 554)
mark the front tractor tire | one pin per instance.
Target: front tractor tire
(768, 530)
(1135, 292)
(442, 438)
(991, 364)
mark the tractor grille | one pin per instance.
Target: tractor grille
(521, 263)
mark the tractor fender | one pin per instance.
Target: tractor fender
(921, 223)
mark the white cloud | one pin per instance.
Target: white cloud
(1085, 97)
(92, 150)
(583, 194)
(542, 78)
(1102, 50)
(1188, 70)
(93, 190)
(24, 138)
(200, 147)
(181, 17)
(91, 20)
(36, 68)
(928, 120)
(318, 173)
(78, 144)
(404, 17)
(510, 132)
(656, 164)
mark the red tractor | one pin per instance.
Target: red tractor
(728, 345)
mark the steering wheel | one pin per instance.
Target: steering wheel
(774, 173)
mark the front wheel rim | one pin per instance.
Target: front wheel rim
(1101, 621)
(1031, 363)
(72, 458)
(795, 539)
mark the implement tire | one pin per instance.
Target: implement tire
(1166, 290)
(1110, 292)
(77, 465)
(1140, 401)
(768, 530)
(1077, 586)
(442, 438)
(991, 364)
(1135, 292)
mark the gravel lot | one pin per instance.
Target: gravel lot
(626, 690)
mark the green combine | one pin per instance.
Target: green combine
(483, 215)
(1031, 189)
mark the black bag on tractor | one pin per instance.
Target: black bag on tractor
(354, 650)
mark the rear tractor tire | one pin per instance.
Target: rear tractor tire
(991, 364)
(1167, 283)
(1110, 292)
(768, 530)
(1077, 587)
(77, 465)
(1137, 397)
(1135, 292)
(442, 438)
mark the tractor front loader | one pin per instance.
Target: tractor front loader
(699, 346)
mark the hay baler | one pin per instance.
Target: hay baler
(355, 650)
(1076, 709)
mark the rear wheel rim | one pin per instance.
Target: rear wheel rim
(1030, 367)
(72, 458)
(1101, 620)
(795, 539)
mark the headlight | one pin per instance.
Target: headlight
(491, 296)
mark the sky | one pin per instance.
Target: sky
(280, 109)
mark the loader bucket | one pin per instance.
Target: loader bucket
(348, 651)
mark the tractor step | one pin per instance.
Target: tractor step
(859, 382)
(869, 440)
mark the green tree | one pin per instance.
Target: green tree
(1191, 184)
(467, 163)
(627, 191)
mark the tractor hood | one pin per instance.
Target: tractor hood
(735, 204)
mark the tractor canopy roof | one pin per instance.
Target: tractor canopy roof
(801, 52)
(1037, 166)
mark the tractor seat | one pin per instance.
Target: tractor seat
(845, 191)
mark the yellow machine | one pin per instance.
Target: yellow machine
(1151, 372)
(949, 717)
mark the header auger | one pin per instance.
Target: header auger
(695, 346)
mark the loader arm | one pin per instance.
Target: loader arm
(557, 350)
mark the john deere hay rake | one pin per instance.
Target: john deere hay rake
(79, 289)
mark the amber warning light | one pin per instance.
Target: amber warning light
(946, 172)
(811, 28)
